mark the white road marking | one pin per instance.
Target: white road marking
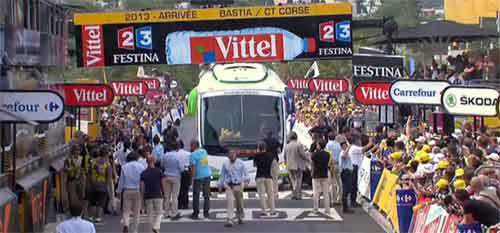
(252, 215)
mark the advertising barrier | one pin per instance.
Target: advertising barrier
(376, 169)
(406, 199)
(385, 197)
(364, 178)
(319, 85)
(129, 88)
(216, 35)
(8, 211)
(34, 199)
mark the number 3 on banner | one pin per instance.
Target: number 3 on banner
(343, 31)
(143, 38)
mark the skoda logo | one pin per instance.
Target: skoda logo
(451, 100)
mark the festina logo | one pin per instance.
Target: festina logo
(137, 88)
(326, 85)
(377, 71)
(84, 95)
(298, 84)
(92, 46)
(232, 48)
(135, 58)
(374, 93)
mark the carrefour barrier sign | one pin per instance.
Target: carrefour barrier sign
(222, 35)
(40, 106)
(470, 101)
(422, 92)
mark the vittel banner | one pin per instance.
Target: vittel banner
(375, 67)
(87, 95)
(373, 93)
(470, 101)
(319, 85)
(422, 92)
(129, 88)
(217, 35)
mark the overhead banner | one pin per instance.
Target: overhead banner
(470, 101)
(129, 88)
(373, 93)
(28, 105)
(376, 67)
(421, 92)
(87, 95)
(217, 35)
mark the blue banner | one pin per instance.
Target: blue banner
(406, 199)
(376, 169)
(470, 228)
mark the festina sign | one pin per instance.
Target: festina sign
(422, 92)
(328, 85)
(375, 67)
(470, 101)
(373, 93)
(129, 88)
(87, 95)
(152, 83)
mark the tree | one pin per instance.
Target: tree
(405, 12)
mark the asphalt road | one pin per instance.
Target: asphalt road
(294, 216)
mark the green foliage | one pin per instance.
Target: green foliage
(405, 12)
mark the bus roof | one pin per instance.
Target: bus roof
(239, 76)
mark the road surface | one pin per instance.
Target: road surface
(294, 216)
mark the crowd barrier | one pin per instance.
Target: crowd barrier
(382, 190)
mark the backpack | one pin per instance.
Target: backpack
(99, 174)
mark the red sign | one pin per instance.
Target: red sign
(373, 93)
(92, 46)
(87, 95)
(129, 88)
(328, 85)
(298, 84)
(237, 48)
(152, 83)
(327, 31)
(126, 38)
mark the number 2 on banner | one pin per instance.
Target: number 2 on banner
(126, 38)
(327, 31)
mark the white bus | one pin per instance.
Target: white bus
(235, 104)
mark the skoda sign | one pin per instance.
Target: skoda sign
(423, 92)
(470, 101)
(40, 106)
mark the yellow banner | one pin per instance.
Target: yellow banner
(385, 197)
(469, 11)
(159, 16)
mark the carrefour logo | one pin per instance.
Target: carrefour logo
(23, 107)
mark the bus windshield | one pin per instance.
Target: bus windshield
(239, 121)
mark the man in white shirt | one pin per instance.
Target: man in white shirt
(75, 224)
(356, 155)
(185, 176)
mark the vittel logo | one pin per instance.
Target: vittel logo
(85, 95)
(234, 48)
(373, 93)
(298, 84)
(130, 88)
(92, 46)
(328, 85)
